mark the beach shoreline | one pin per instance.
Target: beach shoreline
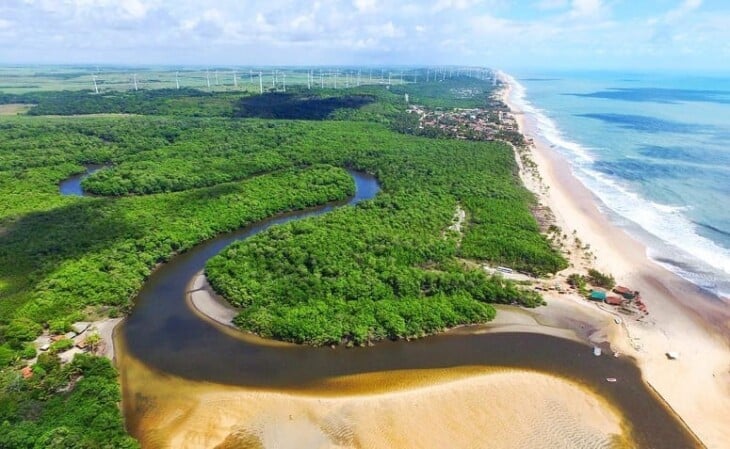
(682, 318)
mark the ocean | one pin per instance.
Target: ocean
(655, 149)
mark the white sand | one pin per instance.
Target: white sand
(697, 386)
(206, 303)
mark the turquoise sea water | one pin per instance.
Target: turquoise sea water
(655, 148)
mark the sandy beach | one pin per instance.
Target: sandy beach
(682, 318)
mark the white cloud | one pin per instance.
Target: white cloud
(387, 30)
(133, 9)
(365, 6)
(552, 4)
(361, 31)
(586, 8)
(442, 5)
(686, 7)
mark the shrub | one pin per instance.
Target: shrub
(578, 281)
(600, 279)
(21, 330)
(61, 345)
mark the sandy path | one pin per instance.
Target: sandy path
(682, 319)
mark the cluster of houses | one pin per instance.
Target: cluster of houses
(82, 338)
(472, 124)
(625, 298)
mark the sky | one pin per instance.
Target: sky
(682, 35)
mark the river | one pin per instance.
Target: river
(167, 336)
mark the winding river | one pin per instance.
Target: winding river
(166, 335)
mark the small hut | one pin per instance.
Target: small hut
(597, 295)
(614, 300)
(625, 292)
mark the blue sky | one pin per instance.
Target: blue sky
(685, 35)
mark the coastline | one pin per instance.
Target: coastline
(682, 318)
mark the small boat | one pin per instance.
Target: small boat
(610, 379)
(596, 351)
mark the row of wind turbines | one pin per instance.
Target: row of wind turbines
(322, 78)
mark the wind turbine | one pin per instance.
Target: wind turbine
(309, 79)
(177, 80)
(96, 87)
(235, 80)
(261, 84)
(207, 77)
(134, 77)
(284, 76)
(321, 79)
(216, 77)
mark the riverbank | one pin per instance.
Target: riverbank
(207, 303)
(682, 319)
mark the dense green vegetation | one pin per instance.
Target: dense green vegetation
(60, 255)
(297, 106)
(388, 268)
(63, 407)
(97, 251)
(186, 102)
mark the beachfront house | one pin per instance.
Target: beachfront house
(625, 292)
(597, 295)
(615, 300)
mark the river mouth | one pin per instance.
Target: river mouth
(169, 342)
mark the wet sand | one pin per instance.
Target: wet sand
(682, 318)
